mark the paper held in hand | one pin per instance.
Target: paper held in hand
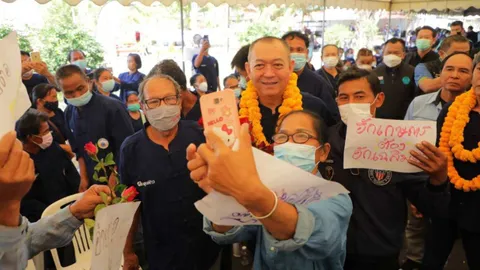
(384, 144)
(290, 183)
(112, 225)
(14, 100)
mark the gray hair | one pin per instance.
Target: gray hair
(141, 89)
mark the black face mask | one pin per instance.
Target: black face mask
(51, 106)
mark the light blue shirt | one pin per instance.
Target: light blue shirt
(425, 107)
(319, 242)
(19, 244)
(421, 71)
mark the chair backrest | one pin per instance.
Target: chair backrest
(81, 239)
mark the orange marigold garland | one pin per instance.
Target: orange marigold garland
(452, 137)
(249, 107)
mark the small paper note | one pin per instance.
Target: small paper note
(291, 184)
(112, 225)
(383, 144)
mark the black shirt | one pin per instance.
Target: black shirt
(59, 121)
(137, 124)
(311, 103)
(414, 59)
(332, 81)
(209, 69)
(195, 113)
(34, 81)
(316, 85)
(464, 207)
(398, 86)
(379, 199)
(173, 228)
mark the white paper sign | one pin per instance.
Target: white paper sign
(384, 144)
(112, 225)
(290, 183)
(14, 100)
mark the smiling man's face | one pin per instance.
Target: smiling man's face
(269, 67)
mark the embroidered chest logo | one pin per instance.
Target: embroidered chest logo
(379, 177)
(145, 183)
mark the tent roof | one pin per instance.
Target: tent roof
(393, 5)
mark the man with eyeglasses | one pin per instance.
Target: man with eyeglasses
(375, 233)
(91, 117)
(154, 161)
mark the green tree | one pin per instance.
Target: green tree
(61, 34)
(258, 30)
(23, 41)
(338, 34)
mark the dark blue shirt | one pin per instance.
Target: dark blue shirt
(34, 81)
(59, 131)
(130, 82)
(317, 86)
(195, 113)
(173, 228)
(101, 118)
(57, 178)
(209, 69)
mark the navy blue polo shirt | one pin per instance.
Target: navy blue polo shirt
(209, 69)
(173, 228)
(34, 81)
(316, 85)
(102, 118)
(195, 113)
(59, 121)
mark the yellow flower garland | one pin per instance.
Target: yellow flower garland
(249, 107)
(452, 137)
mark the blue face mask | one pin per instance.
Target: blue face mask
(82, 64)
(81, 100)
(108, 85)
(237, 92)
(300, 60)
(242, 83)
(299, 155)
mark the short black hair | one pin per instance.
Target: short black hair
(69, 57)
(330, 45)
(470, 27)
(25, 53)
(67, 71)
(318, 124)
(394, 41)
(240, 58)
(453, 54)
(426, 27)
(129, 93)
(40, 91)
(193, 79)
(29, 124)
(170, 67)
(457, 23)
(137, 59)
(231, 76)
(98, 73)
(355, 73)
(297, 34)
(448, 41)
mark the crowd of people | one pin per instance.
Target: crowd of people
(153, 128)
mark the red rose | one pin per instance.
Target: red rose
(129, 194)
(91, 149)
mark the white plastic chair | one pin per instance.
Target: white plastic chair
(81, 239)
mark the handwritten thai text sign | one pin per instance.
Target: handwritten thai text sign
(14, 99)
(291, 184)
(112, 225)
(383, 144)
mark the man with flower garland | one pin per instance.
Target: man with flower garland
(272, 90)
(459, 139)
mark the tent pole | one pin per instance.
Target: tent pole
(182, 24)
(389, 19)
(323, 24)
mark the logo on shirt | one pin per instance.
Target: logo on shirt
(406, 80)
(379, 177)
(329, 172)
(145, 183)
(103, 143)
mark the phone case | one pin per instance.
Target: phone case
(220, 114)
(35, 56)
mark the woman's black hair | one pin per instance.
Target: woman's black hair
(319, 125)
(137, 59)
(29, 124)
(231, 76)
(193, 79)
(98, 72)
(41, 91)
(129, 93)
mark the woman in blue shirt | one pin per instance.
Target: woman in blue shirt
(104, 82)
(319, 237)
(130, 81)
(134, 110)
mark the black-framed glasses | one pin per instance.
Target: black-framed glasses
(156, 102)
(298, 137)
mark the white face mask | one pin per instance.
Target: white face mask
(47, 140)
(392, 60)
(350, 109)
(330, 62)
(28, 74)
(203, 87)
(366, 67)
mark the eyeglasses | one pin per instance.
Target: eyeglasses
(156, 102)
(298, 137)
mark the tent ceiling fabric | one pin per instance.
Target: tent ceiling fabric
(393, 5)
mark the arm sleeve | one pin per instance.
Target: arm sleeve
(235, 235)
(421, 72)
(70, 137)
(321, 229)
(125, 177)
